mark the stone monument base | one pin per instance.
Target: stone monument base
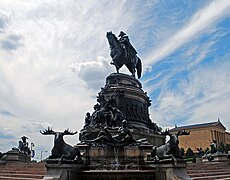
(217, 157)
(114, 175)
(150, 172)
(115, 158)
(116, 163)
(15, 156)
(199, 160)
(170, 171)
(61, 171)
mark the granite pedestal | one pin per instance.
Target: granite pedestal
(16, 156)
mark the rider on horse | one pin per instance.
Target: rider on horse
(130, 52)
(122, 52)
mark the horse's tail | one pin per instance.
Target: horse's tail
(139, 68)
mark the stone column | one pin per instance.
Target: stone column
(212, 134)
(215, 136)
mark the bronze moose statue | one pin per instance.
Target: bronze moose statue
(170, 150)
(61, 150)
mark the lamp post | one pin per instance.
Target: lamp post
(31, 149)
(41, 154)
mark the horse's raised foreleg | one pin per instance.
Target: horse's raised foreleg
(115, 62)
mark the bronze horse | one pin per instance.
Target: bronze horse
(119, 57)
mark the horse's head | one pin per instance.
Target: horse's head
(112, 39)
(110, 35)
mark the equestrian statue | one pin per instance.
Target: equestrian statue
(122, 52)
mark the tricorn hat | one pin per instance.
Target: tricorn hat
(121, 34)
(24, 137)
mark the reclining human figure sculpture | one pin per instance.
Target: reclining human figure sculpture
(123, 135)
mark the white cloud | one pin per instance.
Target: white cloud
(39, 41)
(11, 42)
(37, 83)
(199, 23)
(93, 72)
(204, 97)
(5, 17)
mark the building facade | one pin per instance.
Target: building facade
(201, 135)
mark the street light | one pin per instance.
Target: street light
(41, 154)
(31, 149)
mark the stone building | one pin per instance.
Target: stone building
(227, 137)
(201, 135)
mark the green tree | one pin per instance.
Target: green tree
(221, 147)
(189, 153)
(227, 148)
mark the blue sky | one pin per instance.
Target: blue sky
(55, 57)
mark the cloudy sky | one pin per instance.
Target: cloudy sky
(54, 58)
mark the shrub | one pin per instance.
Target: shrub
(189, 153)
(221, 147)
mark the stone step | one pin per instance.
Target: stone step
(223, 162)
(206, 171)
(18, 167)
(205, 174)
(22, 171)
(208, 163)
(225, 176)
(207, 168)
(24, 167)
(16, 178)
(36, 176)
(23, 164)
(21, 168)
